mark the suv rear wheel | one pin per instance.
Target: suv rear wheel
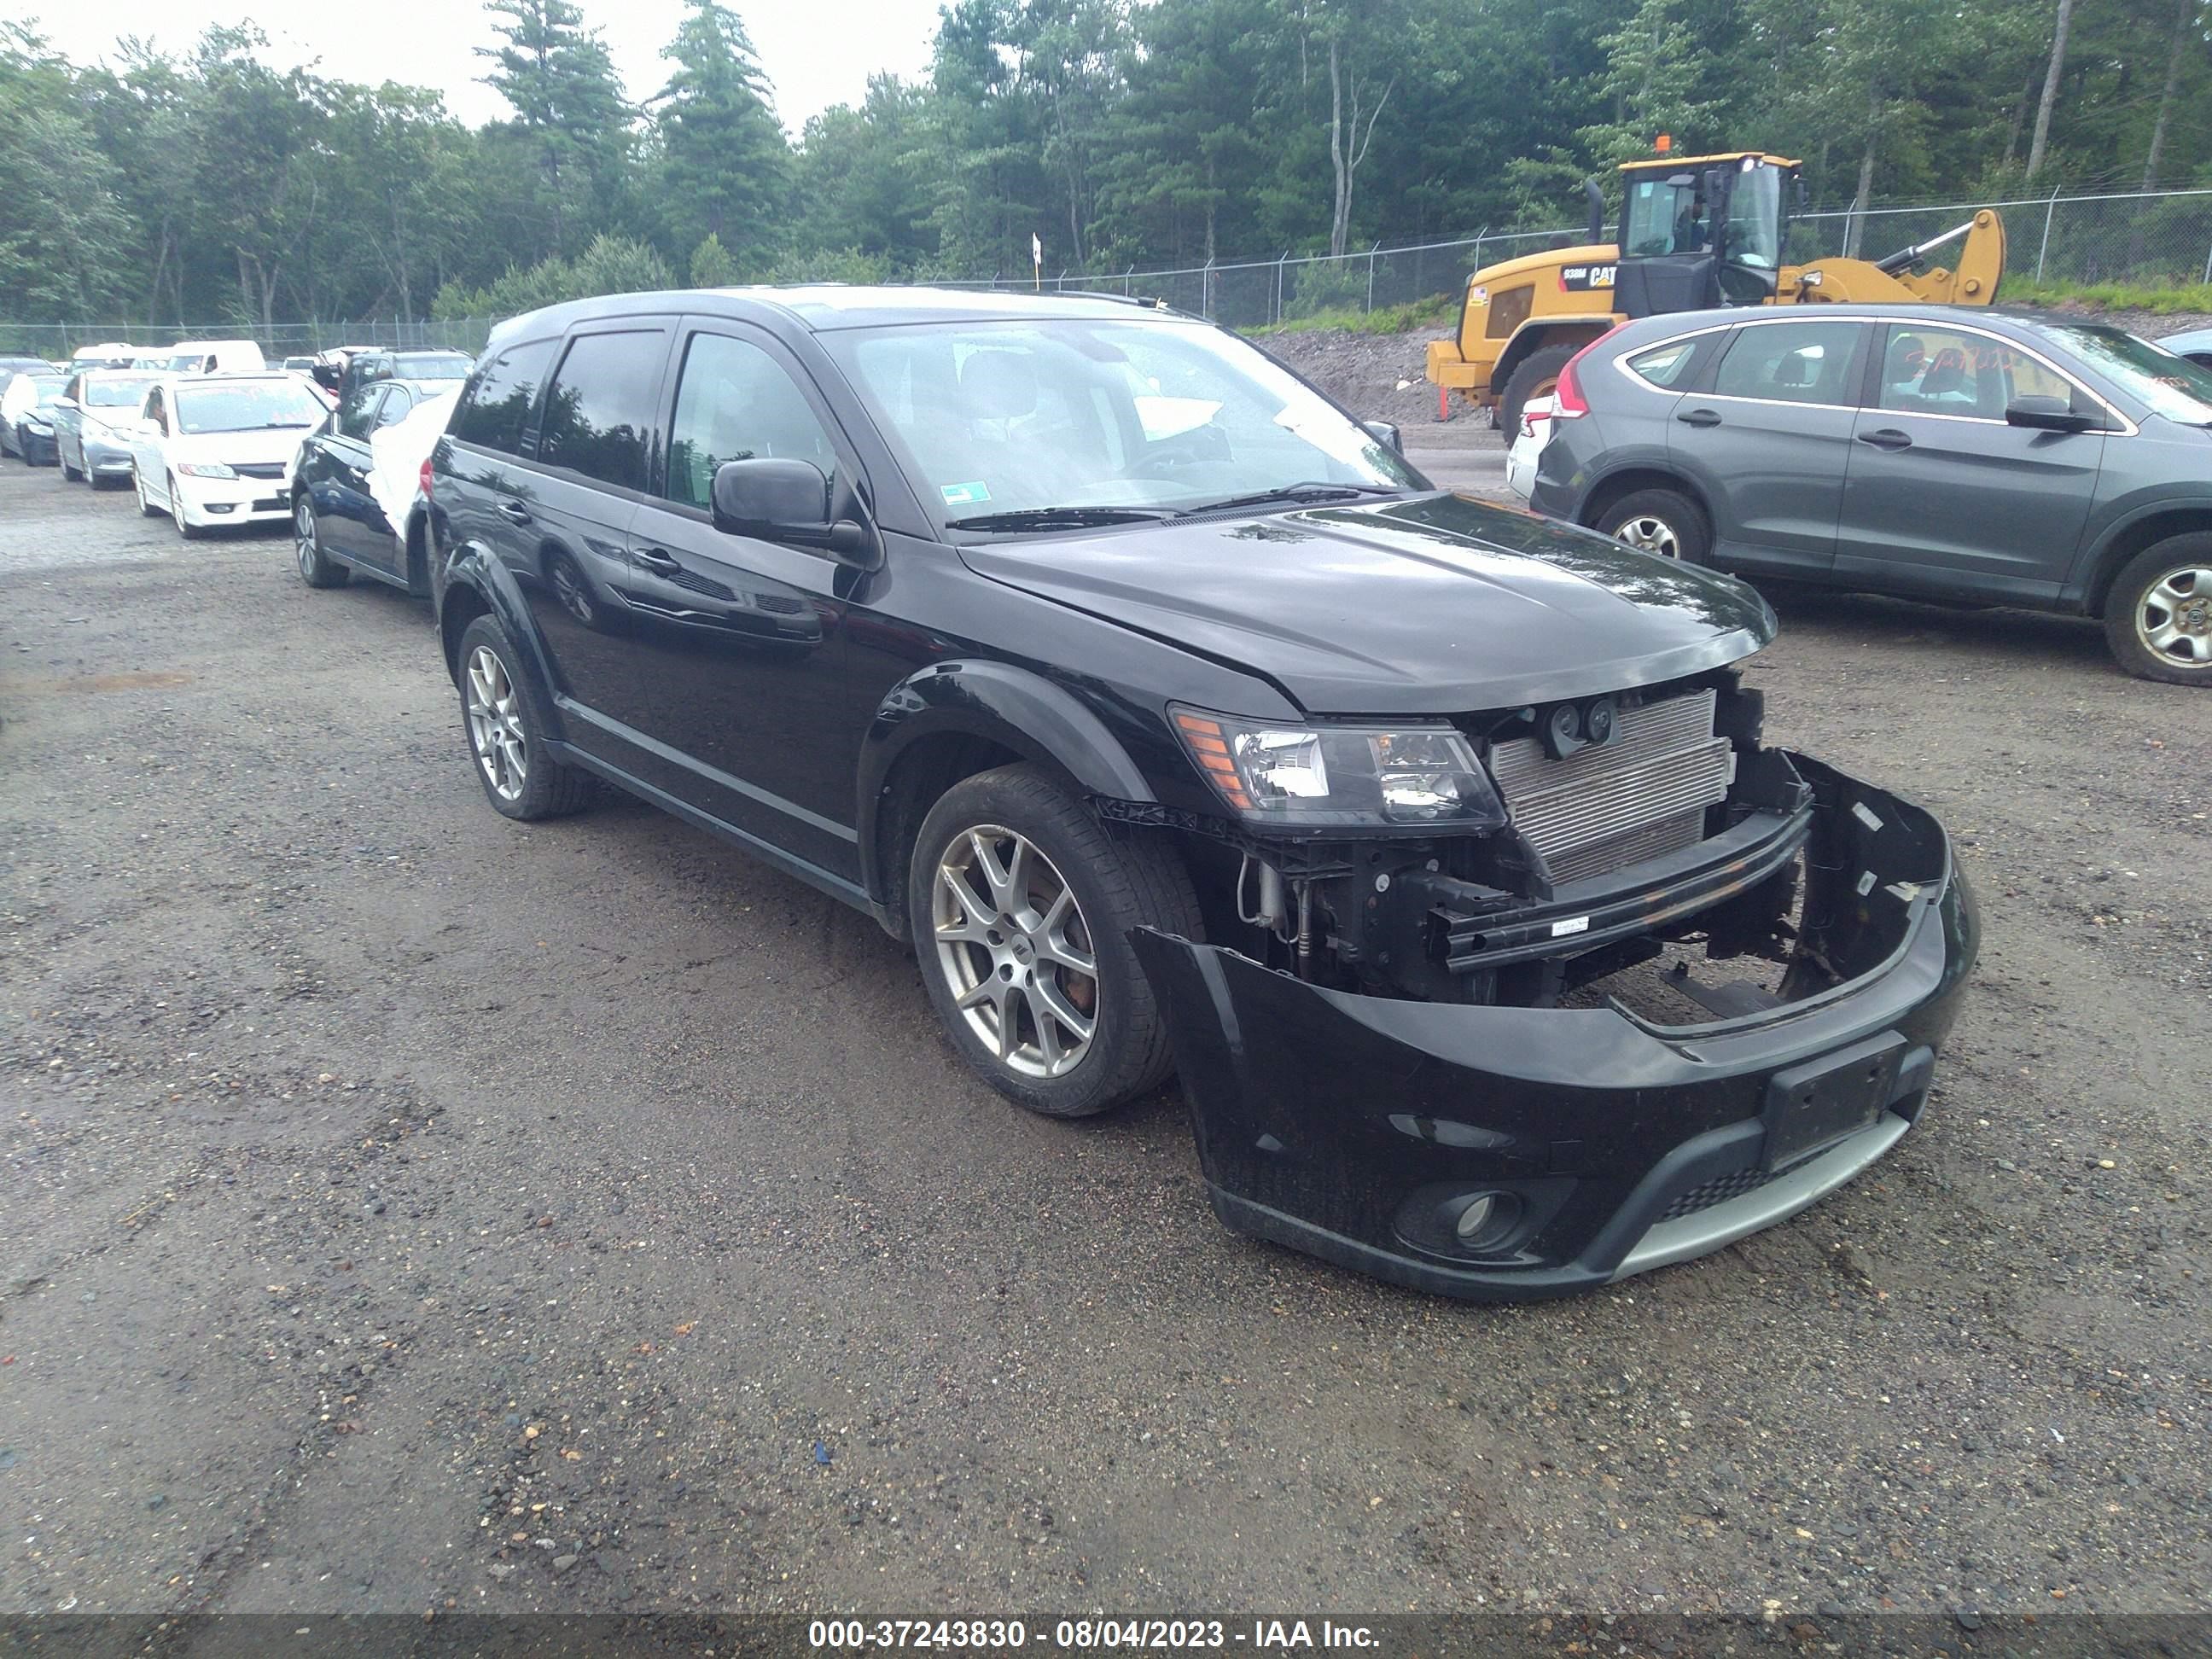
(506, 729)
(1020, 905)
(2158, 618)
(1662, 521)
(317, 567)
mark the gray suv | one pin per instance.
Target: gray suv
(1989, 457)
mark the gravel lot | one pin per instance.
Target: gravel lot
(406, 1209)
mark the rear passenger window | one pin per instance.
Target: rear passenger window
(1672, 365)
(735, 402)
(495, 405)
(1790, 362)
(599, 416)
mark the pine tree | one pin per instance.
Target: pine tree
(725, 172)
(559, 79)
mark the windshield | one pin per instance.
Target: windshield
(1007, 416)
(246, 406)
(2172, 386)
(100, 394)
(428, 366)
(1754, 219)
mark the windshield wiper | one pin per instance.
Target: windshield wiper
(1054, 518)
(1302, 493)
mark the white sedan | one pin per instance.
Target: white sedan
(215, 449)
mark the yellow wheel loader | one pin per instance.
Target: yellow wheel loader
(1696, 232)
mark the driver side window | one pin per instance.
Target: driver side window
(735, 403)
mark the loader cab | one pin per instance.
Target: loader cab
(1702, 231)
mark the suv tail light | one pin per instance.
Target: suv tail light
(1567, 400)
(423, 478)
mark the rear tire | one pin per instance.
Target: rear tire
(1071, 893)
(506, 726)
(1661, 521)
(2158, 616)
(1536, 377)
(317, 567)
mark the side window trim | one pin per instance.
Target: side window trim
(667, 326)
(692, 327)
(1852, 392)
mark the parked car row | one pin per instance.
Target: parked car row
(1176, 722)
(213, 447)
(2047, 462)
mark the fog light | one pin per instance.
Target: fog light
(218, 506)
(1474, 1218)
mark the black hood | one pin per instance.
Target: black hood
(1433, 606)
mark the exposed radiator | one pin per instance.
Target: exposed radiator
(1641, 795)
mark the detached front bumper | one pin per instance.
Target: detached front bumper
(1361, 1129)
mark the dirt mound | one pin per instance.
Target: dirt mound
(1376, 376)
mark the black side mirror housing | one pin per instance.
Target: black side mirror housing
(1387, 434)
(2040, 413)
(789, 501)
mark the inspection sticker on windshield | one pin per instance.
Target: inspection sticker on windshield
(965, 495)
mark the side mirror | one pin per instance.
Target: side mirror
(788, 501)
(1387, 435)
(64, 403)
(2039, 413)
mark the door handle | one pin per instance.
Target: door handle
(515, 512)
(1887, 437)
(1698, 417)
(657, 560)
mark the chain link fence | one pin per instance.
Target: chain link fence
(2161, 239)
(56, 341)
(2156, 240)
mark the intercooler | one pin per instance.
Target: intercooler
(1643, 794)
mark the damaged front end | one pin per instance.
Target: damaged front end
(1642, 988)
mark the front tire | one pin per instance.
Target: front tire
(2158, 618)
(317, 567)
(1661, 521)
(1020, 905)
(191, 532)
(1537, 376)
(505, 725)
(70, 474)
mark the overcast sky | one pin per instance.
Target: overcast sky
(818, 52)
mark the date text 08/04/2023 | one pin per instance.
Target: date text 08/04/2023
(1260, 1635)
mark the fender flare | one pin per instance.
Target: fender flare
(1015, 707)
(2098, 563)
(493, 586)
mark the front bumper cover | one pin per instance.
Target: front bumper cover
(1355, 1127)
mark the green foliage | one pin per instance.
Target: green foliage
(711, 264)
(1434, 311)
(2182, 298)
(204, 185)
(725, 168)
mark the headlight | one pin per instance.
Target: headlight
(1341, 776)
(204, 470)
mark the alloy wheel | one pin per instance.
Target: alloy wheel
(1648, 534)
(2174, 619)
(303, 532)
(495, 725)
(177, 507)
(1015, 951)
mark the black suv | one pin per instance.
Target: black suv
(1179, 725)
